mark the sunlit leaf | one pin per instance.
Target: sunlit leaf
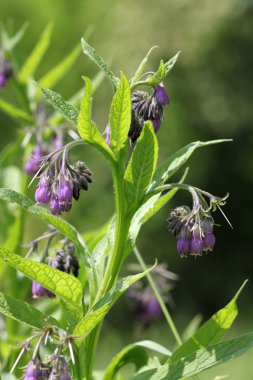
(16, 113)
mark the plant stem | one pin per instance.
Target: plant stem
(159, 298)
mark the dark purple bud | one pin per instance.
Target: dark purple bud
(65, 376)
(156, 124)
(209, 241)
(33, 164)
(183, 246)
(153, 310)
(32, 372)
(161, 95)
(55, 205)
(197, 243)
(3, 79)
(75, 266)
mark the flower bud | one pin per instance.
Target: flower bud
(161, 95)
(39, 291)
(32, 372)
(65, 190)
(197, 244)
(3, 79)
(156, 124)
(209, 241)
(54, 205)
(33, 164)
(42, 195)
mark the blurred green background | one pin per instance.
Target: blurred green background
(211, 97)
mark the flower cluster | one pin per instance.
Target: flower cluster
(5, 70)
(143, 299)
(147, 107)
(40, 150)
(53, 366)
(194, 232)
(63, 260)
(60, 181)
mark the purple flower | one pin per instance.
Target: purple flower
(107, 134)
(151, 310)
(65, 190)
(33, 164)
(39, 291)
(54, 205)
(5, 72)
(32, 372)
(197, 243)
(161, 95)
(156, 124)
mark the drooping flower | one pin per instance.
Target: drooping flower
(39, 291)
(5, 71)
(32, 371)
(33, 164)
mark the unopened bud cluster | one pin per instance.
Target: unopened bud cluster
(147, 107)
(63, 260)
(193, 231)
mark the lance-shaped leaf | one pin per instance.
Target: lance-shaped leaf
(170, 64)
(120, 116)
(8, 42)
(87, 129)
(174, 162)
(130, 354)
(54, 75)
(212, 331)
(101, 308)
(141, 166)
(60, 283)
(200, 360)
(141, 67)
(16, 113)
(24, 312)
(69, 111)
(42, 213)
(95, 57)
(36, 55)
(158, 76)
(134, 353)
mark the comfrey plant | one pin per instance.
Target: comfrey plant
(79, 273)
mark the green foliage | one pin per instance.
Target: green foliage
(54, 75)
(33, 60)
(170, 64)
(87, 129)
(70, 112)
(158, 76)
(8, 43)
(142, 65)
(141, 167)
(120, 116)
(101, 308)
(16, 113)
(95, 57)
(60, 283)
(211, 332)
(170, 166)
(199, 361)
(25, 313)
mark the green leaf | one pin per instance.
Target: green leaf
(8, 43)
(42, 213)
(174, 162)
(24, 312)
(101, 308)
(16, 112)
(93, 55)
(200, 360)
(151, 345)
(60, 283)
(141, 166)
(158, 76)
(72, 315)
(146, 211)
(170, 64)
(36, 55)
(120, 116)
(87, 129)
(54, 75)
(211, 332)
(140, 69)
(68, 110)
(130, 354)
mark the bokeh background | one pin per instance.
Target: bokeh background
(210, 91)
